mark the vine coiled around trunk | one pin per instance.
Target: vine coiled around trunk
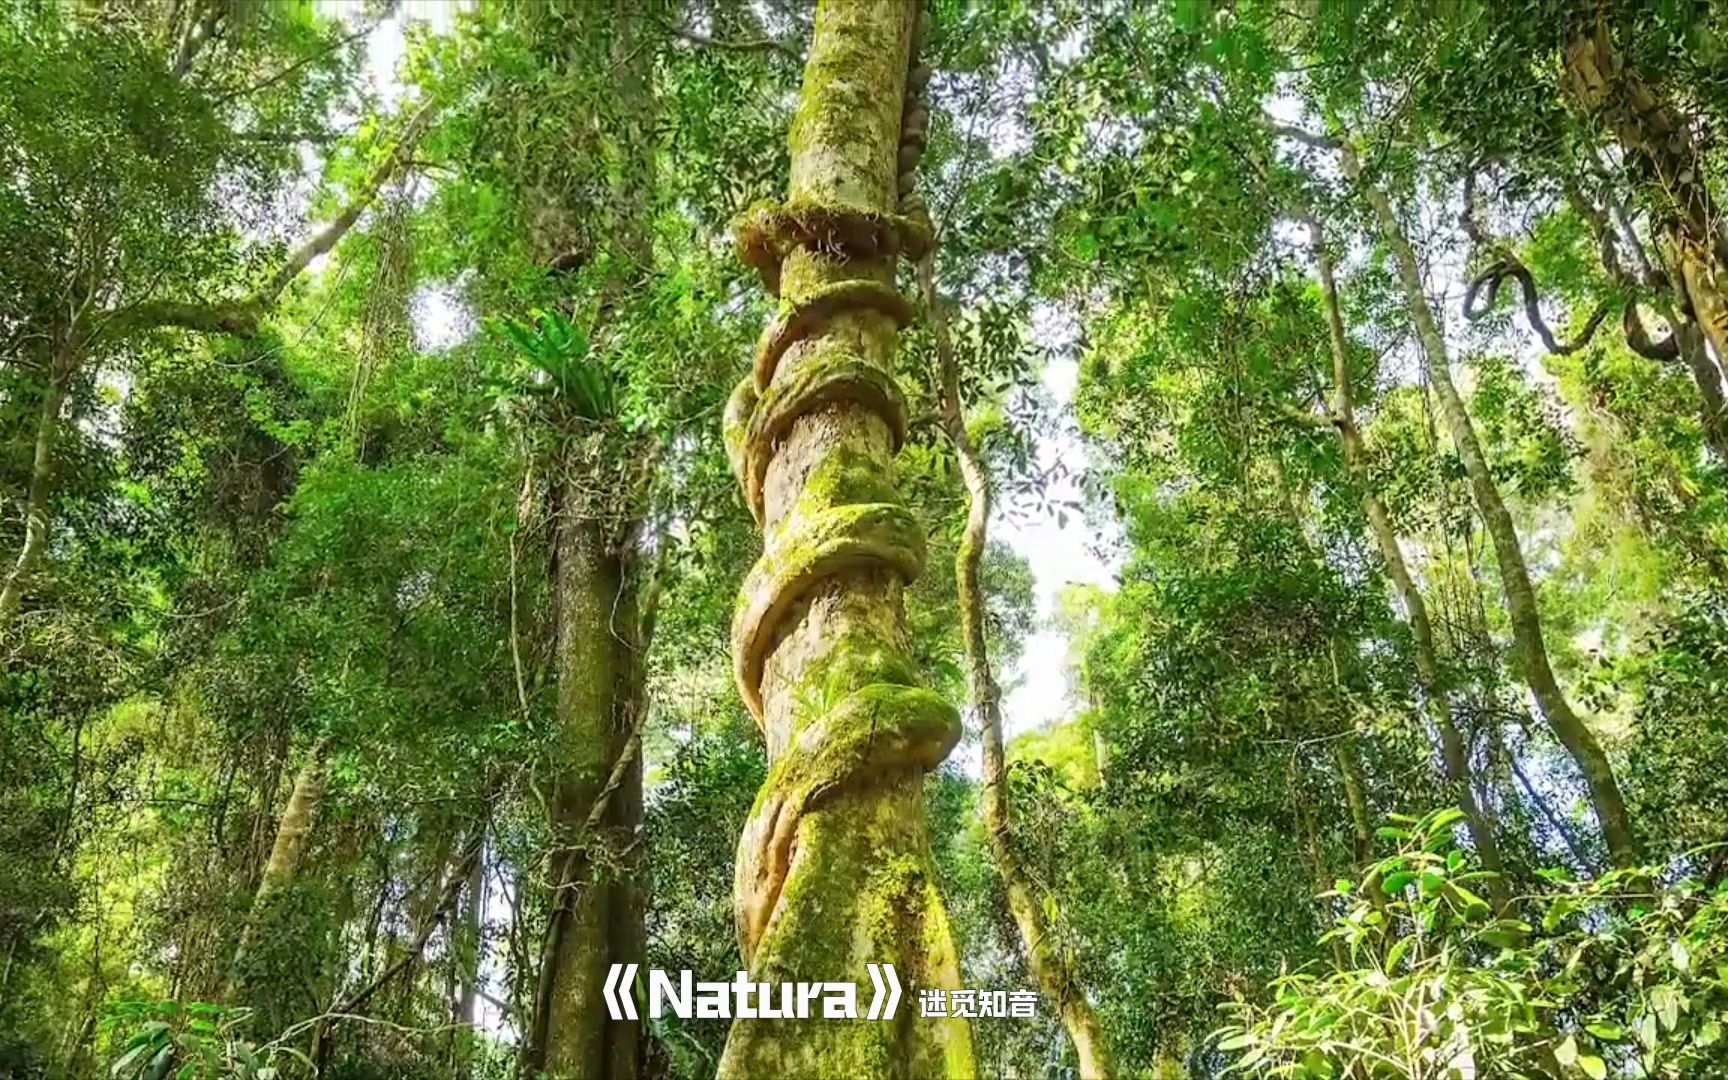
(834, 868)
(879, 728)
(849, 517)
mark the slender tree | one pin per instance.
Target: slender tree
(1437, 698)
(1532, 652)
(1052, 965)
(288, 850)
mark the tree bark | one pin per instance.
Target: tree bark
(1688, 337)
(471, 949)
(288, 851)
(1436, 698)
(1691, 333)
(603, 624)
(36, 498)
(1050, 963)
(1669, 168)
(1532, 652)
(834, 867)
(572, 1034)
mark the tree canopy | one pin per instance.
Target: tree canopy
(1212, 513)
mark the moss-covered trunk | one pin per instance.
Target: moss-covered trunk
(1436, 698)
(288, 850)
(596, 898)
(1050, 965)
(834, 867)
(571, 1035)
(295, 831)
(1532, 652)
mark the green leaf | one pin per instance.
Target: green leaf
(1678, 954)
(1396, 882)
(127, 1065)
(1397, 951)
(1567, 1052)
(160, 1064)
(1647, 1031)
(1594, 1067)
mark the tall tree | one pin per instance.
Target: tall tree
(1454, 755)
(1051, 964)
(128, 223)
(1532, 651)
(834, 867)
(599, 470)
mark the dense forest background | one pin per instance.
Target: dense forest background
(372, 531)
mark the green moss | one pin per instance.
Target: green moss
(846, 904)
(847, 475)
(858, 885)
(736, 423)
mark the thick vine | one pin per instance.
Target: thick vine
(833, 865)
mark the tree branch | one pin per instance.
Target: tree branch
(762, 44)
(452, 890)
(342, 42)
(241, 317)
(1301, 135)
(325, 239)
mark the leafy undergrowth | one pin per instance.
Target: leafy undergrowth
(1625, 975)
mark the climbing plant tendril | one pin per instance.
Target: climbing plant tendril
(833, 867)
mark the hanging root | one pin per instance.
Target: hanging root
(860, 721)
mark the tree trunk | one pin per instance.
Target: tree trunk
(1322, 881)
(1688, 335)
(1435, 696)
(36, 498)
(597, 902)
(572, 1035)
(1051, 965)
(1520, 596)
(1349, 761)
(1668, 166)
(293, 836)
(834, 867)
(1691, 332)
(470, 952)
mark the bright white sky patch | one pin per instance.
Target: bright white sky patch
(440, 319)
(1059, 556)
